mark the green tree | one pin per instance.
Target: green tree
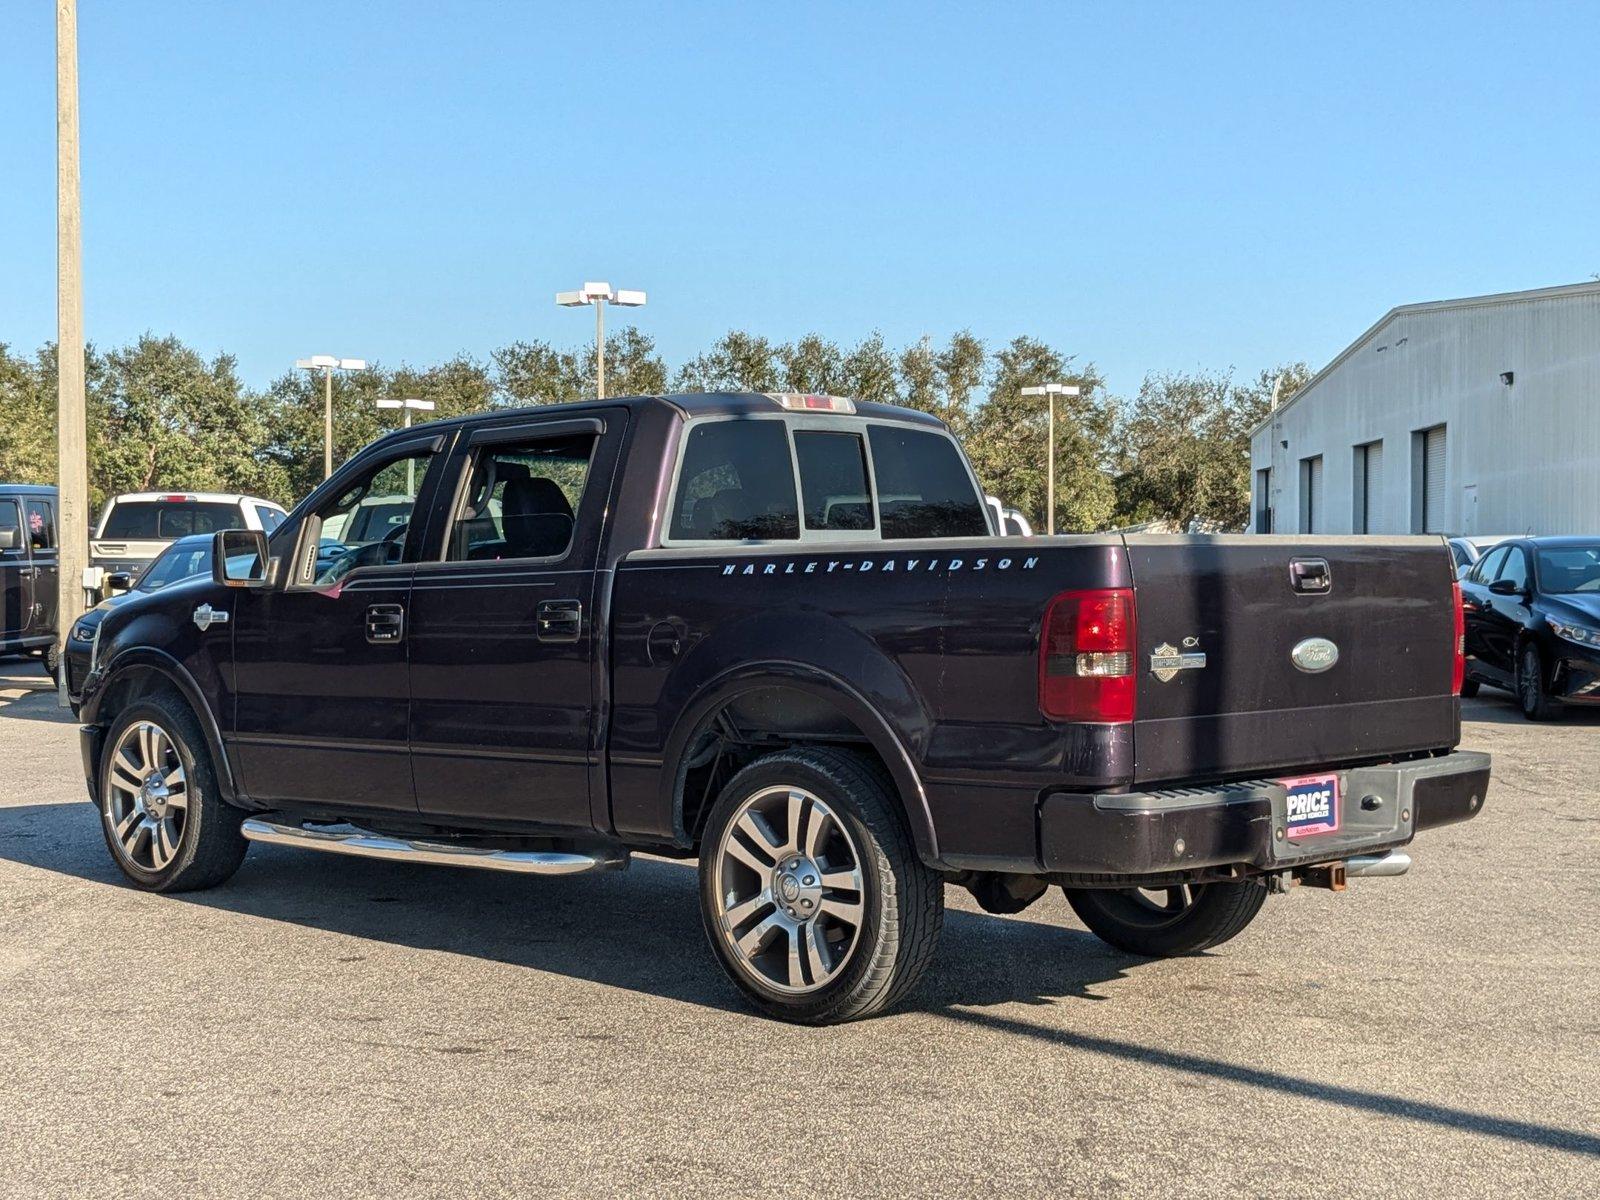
(739, 362)
(27, 418)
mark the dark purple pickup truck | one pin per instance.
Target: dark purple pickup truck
(779, 633)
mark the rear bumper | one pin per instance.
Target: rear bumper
(1243, 824)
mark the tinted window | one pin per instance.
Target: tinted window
(924, 490)
(833, 480)
(1566, 569)
(41, 525)
(1490, 563)
(11, 518)
(270, 518)
(177, 562)
(1516, 568)
(736, 482)
(522, 500)
(137, 520)
(371, 518)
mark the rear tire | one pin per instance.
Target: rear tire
(1532, 697)
(812, 895)
(164, 820)
(1190, 919)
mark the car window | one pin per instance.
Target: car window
(735, 483)
(174, 564)
(270, 519)
(522, 500)
(11, 518)
(833, 479)
(1567, 569)
(41, 525)
(1489, 564)
(373, 516)
(1515, 568)
(164, 520)
(924, 489)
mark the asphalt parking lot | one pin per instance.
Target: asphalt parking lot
(324, 1027)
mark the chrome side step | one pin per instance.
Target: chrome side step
(359, 843)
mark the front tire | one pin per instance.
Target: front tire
(164, 820)
(812, 895)
(1532, 697)
(1168, 922)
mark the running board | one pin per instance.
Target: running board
(346, 839)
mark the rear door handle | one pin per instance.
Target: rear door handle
(385, 623)
(560, 620)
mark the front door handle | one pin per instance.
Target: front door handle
(385, 623)
(560, 620)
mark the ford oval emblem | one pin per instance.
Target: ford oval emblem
(1314, 655)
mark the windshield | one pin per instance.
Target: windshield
(1564, 570)
(167, 519)
(175, 563)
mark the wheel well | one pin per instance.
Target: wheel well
(750, 725)
(133, 685)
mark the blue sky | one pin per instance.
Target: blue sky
(1148, 186)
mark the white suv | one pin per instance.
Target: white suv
(136, 527)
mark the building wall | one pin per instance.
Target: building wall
(1528, 452)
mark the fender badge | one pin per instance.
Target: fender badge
(1166, 660)
(205, 617)
(1314, 655)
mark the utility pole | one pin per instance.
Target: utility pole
(1051, 391)
(599, 295)
(72, 455)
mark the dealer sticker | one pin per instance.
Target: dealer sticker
(1313, 802)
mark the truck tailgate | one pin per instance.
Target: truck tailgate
(1251, 709)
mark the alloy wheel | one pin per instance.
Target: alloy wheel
(790, 899)
(146, 805)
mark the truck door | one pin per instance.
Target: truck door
(505, 625)
(16, 572)
(40, 518)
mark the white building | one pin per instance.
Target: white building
(1476, 416)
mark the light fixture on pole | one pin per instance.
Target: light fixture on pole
(328, 364)
(409, 405)
(1051, 390)
(600, 295)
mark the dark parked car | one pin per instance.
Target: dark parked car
(28, 558)
(779, 634)
(1533, 622)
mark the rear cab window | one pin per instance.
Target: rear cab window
(165, 520)
(808, 479)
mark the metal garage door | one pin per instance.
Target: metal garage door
(1311, 494)
(1369, 488)
(1433, 483)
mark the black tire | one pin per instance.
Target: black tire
(208, 844)
(1469, 688)
(1532, 697)
(900, 900)
(1127, 920)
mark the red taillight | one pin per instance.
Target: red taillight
(1458, 669)
(1086, 656)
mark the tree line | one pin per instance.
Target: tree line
(161, 416)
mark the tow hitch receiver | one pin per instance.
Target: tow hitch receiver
(1372, 866)
(1328, 875)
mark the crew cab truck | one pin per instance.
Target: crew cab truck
(779, 634)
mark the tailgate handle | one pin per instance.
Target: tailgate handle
(1311, 575)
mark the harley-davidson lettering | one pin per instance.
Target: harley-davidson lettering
(887, 566)
(1166, 660)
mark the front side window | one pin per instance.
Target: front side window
(522, 500)
(41, 525)
(833, 480)
(1516, 568)
(736, 483)
(1486, 567)
(178, 563)
(924, 489)
(367, 523)
(11, 520)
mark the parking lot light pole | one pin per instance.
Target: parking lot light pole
(1051, 391)
(409, 405)
(328, 364)
(600, 295)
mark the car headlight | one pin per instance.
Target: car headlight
(1581, 634)
(83, 631)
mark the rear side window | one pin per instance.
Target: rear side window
(924, 490)
(833, 480)
(41, 525)
(522, 500)
(736, 483)
(134, 520)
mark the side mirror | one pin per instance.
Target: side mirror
(10, 538)
(119, 581)
(239, 558)
(1505, 587)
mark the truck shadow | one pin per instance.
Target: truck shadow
(1494, 707)
(27, 693)
(640, 931)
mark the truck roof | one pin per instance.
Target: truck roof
(27, 489)
(175, 494)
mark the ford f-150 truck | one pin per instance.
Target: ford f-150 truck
(779, 633)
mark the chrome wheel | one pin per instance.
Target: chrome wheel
(790, 899)
(146, 802)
